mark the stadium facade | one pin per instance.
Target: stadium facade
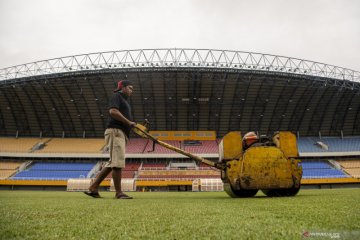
(181, 89)
(53, 114)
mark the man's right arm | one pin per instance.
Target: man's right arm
(116, 114)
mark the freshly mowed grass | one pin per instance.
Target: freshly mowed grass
(178, 215)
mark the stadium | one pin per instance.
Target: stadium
(53, 114)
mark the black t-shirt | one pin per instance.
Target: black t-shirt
(119, 101)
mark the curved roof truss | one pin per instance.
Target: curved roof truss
(179, 58)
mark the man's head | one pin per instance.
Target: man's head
(125, 86)
(249, 139)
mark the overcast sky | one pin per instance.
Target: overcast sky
(326, 31)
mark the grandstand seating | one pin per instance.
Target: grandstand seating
(7, 169)
(321, 169)
(160, 149)
(154, 165)
(136, 145)
(352, 167)
(349, 163)
(73, 145)
(128, 171)
(204, 147)
(335, 144)
(178, 174)
(55, 171)
(8, 144)
(4, 174)
(204, 166)
(10, 165)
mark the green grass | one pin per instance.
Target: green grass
(177, 215)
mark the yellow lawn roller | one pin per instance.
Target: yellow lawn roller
(251, 164)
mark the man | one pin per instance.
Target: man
(249, 139)
(116, 135)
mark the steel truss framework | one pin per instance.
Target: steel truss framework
(181, 58)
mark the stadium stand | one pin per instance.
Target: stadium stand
(321, 169)
(129, 171)
(154, 165)
(8, 169)
(183, 164)
(54, 171)
(204, 166)
(160, 149)
(334, 144)
(352, 167)
(204, 147)
(73, 145)
(178, 174)
(24, 145)
(136, 145)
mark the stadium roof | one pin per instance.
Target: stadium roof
(179, 58)
(181, 89)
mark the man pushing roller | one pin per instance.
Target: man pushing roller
(116, 135)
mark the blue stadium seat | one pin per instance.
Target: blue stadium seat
(55, 171)
(321, 169)
(323, 173)
(335, 144)
(63, 166)
(316, 165)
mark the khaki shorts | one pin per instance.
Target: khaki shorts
(115, 140)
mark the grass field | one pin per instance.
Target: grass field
(179, 215)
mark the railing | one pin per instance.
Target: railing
(178, 58)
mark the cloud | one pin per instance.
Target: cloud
(318, 30)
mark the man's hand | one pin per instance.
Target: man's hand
(132, 124)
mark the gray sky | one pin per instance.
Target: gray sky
(326, 31)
